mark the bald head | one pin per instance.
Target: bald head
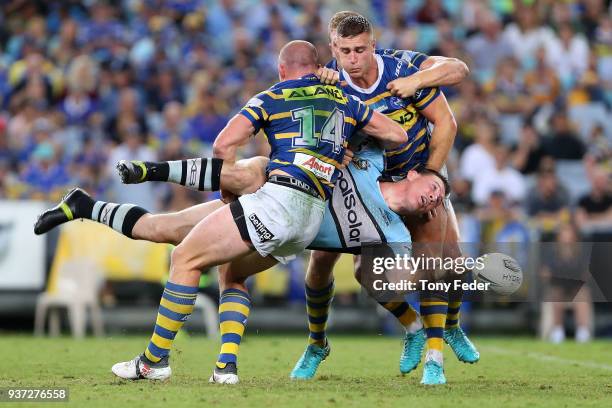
(297, 58)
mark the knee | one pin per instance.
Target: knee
(182, 262)
(321, 265)
(228, 276)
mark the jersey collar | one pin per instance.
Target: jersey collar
(381, 68)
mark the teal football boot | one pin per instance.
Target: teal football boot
(413, 349)
(461, 345)
(307, 365)
(433, 373)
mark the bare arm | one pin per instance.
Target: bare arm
(442, 71)
(235, 134)
(245, 176)
(434, 71)
(445, 127)
(386, 131)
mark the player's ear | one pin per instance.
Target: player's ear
(411, 175)
(282, 72)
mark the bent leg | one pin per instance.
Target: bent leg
(213, 241)
(200, 174)
(172, 228)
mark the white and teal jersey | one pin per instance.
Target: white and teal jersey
(357, 213)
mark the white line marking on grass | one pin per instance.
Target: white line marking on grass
(545, 357)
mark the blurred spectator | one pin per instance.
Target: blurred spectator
(173, 128)
(528, 152)
(511, 98)
(594, 213)
(500, 221)
(131, 148)
(45, 175)
(431, 12)
(526, 34)
(502, 178)
(488, 47)
(563, 142)
(6, 153)
(602, 47)
(548, 203)
(127, 113)
(462, 197)
(204, 110)
(564, 272)
(163, 88)
(79, 103)
(469, 106)
(542, 82)
(568, 54)
(479, 157)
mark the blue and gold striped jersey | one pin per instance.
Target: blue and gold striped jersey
(414, 57)
(404, 111)
(308, 126)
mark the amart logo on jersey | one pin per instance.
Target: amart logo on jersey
(318, 167)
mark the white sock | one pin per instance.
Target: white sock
(435, 355)
(557, 335)
(415, 326)
(583, 334)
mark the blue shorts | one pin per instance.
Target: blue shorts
(357, 213)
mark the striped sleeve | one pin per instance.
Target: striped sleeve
(414, 57)
(417, 58)
(423, 97)
(254, 110)
(362, 112)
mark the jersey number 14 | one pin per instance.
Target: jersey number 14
(331, 132)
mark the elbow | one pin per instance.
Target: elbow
(220, 149)
(464, 70)
(452, 124)
(460, 71)
(399, 138)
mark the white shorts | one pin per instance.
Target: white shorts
(280, 221)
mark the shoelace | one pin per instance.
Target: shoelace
(408, 339)
(310, 355)
(436, 368)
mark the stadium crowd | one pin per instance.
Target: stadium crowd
(86, 83)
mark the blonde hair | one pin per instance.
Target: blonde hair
(334, 22)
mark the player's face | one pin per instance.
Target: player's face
(354, 54)
(424, 192)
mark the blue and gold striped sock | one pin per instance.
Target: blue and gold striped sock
(175, 307)
(318, 302)
(234, 308)
(434, 306)
(452, 315)
(404, 313)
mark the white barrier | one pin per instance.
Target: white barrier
(22, 254)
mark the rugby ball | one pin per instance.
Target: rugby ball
(503, 274)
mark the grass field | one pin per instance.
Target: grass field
(361, 371)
